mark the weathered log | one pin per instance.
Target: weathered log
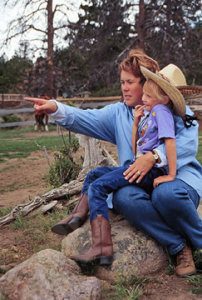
(94, 155)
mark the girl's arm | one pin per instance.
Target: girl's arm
(138, 113)
(134, 137)
(170, 146)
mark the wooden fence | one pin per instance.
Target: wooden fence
(195, 102)
(15, 104)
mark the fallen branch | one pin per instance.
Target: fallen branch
(68, 189)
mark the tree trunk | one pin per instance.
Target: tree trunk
(140, 25)
(50, 65)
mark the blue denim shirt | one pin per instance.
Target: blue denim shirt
(113, 123)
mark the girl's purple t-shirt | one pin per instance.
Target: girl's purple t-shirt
(159, 125)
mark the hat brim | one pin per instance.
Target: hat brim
(171, 91)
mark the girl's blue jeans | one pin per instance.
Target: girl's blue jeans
(168, 214)
(102, 181)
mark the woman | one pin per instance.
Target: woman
(169, 215)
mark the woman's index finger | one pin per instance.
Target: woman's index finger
(38, 101)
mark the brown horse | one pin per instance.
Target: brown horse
(41, 119)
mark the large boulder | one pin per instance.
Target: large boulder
(48, 275)
(135, 254)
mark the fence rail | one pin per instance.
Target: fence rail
(11, 97)
(84, 102)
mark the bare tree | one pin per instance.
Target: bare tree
(41, 17)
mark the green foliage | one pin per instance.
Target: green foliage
(198, 259)
(64, 169)
(96, 39)
(13, 73)
(11, 118)
(113, 90)
(196, 282)
(19, 223)
(36, 229)
(15, 147)
(4, 211)
(2, 297)
(129, 289)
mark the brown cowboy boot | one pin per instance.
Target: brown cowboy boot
(101, 251)
(76, 219)
(185, 263)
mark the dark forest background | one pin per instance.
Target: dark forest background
(84, 55)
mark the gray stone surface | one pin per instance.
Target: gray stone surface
(134, 253)
(48, 275)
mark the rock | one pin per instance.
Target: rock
(135, 254)
(48, 275)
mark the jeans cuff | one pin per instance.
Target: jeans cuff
(175, 250)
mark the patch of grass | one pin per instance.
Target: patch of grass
(36, 228)
(7, 168)
(4, 211)
(14, 186)
(11, 118)
(15, 145)
(45, 222)
(2, 297)
(33, 234)
(198, 259)
(6, 133)
(129, 289)
(170, 269)
(196, 282)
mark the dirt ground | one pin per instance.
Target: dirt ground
(23, 179)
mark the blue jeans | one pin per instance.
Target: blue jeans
(169, 215)
(100, 182)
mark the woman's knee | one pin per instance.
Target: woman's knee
(169, 196)
(129, 199)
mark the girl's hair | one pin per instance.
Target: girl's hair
(135, 59)
(153, 89)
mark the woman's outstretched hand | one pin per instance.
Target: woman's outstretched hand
(42, 106)
(141, 166)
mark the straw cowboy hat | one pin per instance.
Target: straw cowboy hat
(174, 74)
(177, 78)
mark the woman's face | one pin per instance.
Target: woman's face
(131, 88)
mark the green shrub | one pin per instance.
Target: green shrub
(11, 118)
(64, 169)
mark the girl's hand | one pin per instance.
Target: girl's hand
(42, 106)
(162, 179)
(138, 113)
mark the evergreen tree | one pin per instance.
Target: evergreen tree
(13, 74)
(98, 37)
(167, 31)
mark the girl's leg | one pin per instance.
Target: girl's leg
(100, 189)
(109, 182)
(93, 175)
